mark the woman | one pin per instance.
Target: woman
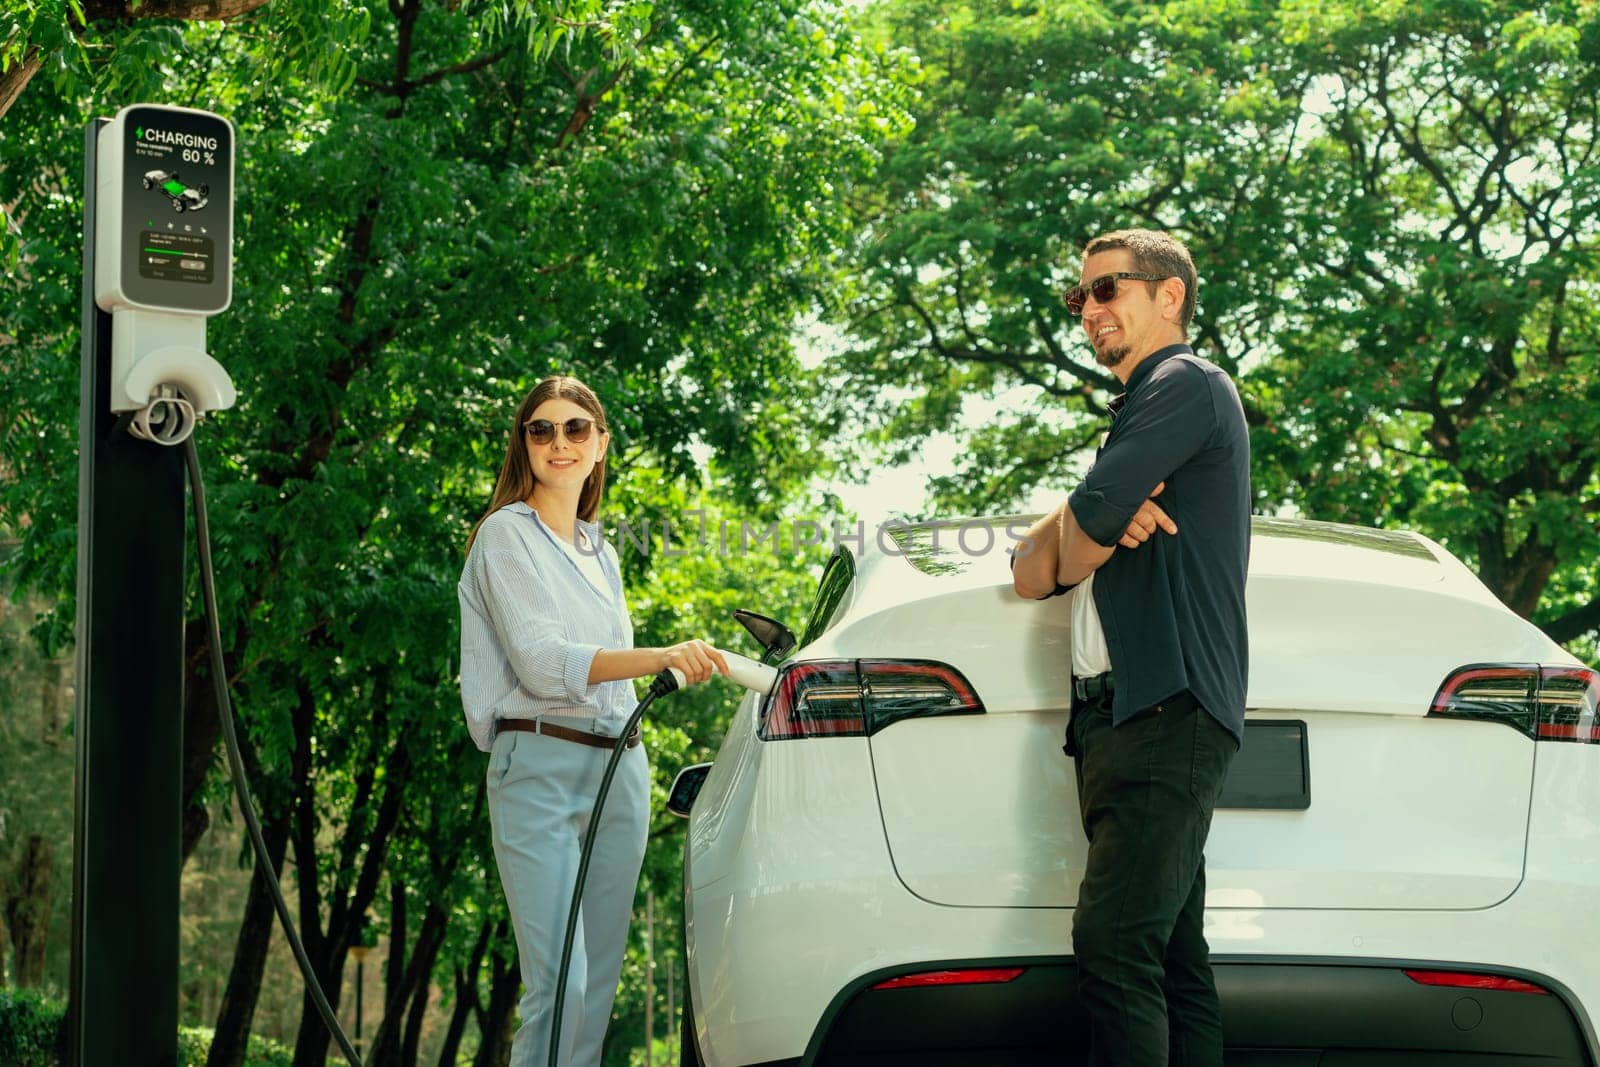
(546, 661)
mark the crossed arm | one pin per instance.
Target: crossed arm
(1056, 552)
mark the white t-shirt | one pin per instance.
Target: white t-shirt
(1089, 653)
(588, 561)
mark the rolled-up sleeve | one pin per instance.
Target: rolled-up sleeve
(1170, 423)
(523, 613)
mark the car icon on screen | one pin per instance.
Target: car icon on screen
(183, 197)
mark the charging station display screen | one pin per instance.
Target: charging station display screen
(177, 208)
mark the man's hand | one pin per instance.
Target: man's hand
(1146, 520)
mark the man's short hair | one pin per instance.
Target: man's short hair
(1155, 252)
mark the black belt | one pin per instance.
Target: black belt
(1096, 687)
(550, 729)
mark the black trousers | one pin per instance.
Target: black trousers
(1147, 789)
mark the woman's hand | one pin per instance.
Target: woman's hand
(695, 660)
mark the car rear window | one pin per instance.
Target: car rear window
(952, 547)
(1333, 533)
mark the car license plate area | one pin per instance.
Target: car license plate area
(1272, 770)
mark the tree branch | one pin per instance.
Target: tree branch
(13, 81)
(1106, 383)
(583, 109)
(1575, 623)
(989, 501)
(672, 78)
(404, 88)
(1016, 364)
(187, 10)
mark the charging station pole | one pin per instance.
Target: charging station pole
(157, 260)
(123, 1000)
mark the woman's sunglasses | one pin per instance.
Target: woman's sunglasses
(543, 431)
(1104, 288)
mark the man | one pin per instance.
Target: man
(1158, 649)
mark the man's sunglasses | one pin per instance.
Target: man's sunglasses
(1104, 288)
(543, 431)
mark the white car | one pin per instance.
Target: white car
(1404, 868)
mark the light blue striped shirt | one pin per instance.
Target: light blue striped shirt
(531, 624)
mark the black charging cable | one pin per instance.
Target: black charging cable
(219, 683)
(662, 684)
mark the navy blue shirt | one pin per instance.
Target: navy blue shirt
(1173, 608)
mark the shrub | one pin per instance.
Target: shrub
(194, 1043)
(33, 1033)
(33, 1030)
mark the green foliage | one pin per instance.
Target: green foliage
(32, 1029)
(1393, 208)
(644, 195)
(1445, 372)
(1039, 126)
(194, 1044)
(33, 1034)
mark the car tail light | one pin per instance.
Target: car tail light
(815, 700)
(1567, 700)
(856, 698)
(1466, 980)
(893, 690)
(1545, 703)
(971, 976)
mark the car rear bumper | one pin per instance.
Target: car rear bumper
(772, 971)
(1275, 1014)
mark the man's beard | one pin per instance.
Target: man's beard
(1110, 357)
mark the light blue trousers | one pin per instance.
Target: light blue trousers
(541, 799)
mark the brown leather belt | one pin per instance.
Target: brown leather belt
(550, 729)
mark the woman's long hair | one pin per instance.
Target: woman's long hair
(516, 479)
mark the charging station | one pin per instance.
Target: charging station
(158, 232)
(163, 239)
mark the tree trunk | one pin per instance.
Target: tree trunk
(498, 1022)
(649, 978)
(311, 1045)
(325, 948)
(249, 957)
(28, 911)
(387, 1043)
(466, 997)
(411, 1046)
(202, 726)
(359, 868)
(394, 970)
(466, 1003)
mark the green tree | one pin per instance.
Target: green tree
(1393, 209)
(1445, 367)
(646, 204)
(1037, 126)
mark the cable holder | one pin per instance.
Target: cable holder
(168, 419)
